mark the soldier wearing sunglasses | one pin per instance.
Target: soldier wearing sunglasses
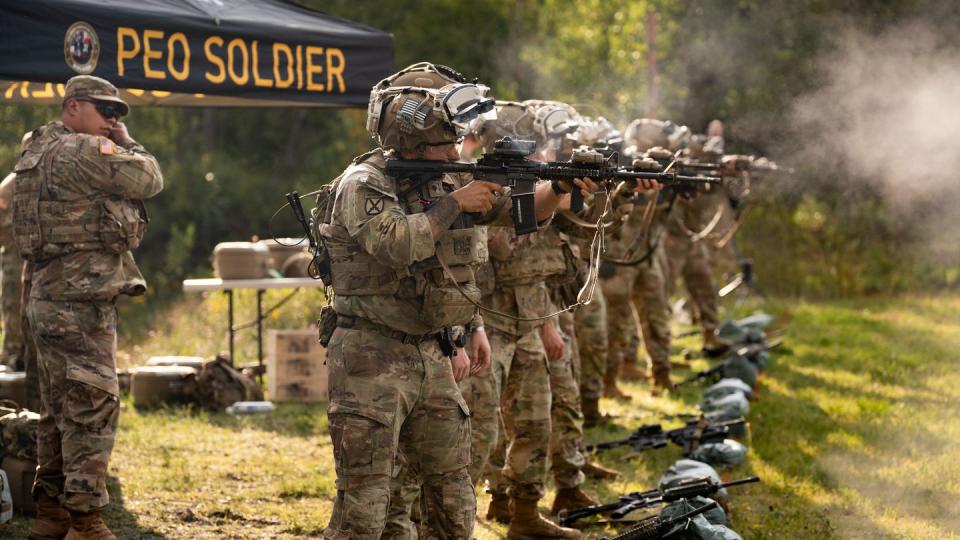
(77, 216)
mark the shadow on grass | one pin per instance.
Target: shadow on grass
(121, 521)
(812, 412)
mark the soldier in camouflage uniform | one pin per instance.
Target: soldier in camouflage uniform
(635, 282)
(392, 386)
(80, 180)
(687, 249)
(518, 466)
(590, 320)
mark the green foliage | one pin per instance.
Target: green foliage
(744, 61)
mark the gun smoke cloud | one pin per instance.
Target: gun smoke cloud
(889, 114)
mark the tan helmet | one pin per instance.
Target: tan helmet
(647, 132)
(424, 104)
(554, 121)
(514, 120)
(595, 131)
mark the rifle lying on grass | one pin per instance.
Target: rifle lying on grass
(509, 166)
(654, 528)
(746, 350)
(696, 432)
(702, 486)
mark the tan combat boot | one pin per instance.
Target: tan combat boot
(591, 413)
(662, 382)
(52, 521)
(599, 472)
(499, 509)
(88, 526)
(610, 389)
(528, 524)
(630, 371)
(568, 498)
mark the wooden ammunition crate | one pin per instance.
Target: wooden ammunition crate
(296, 366)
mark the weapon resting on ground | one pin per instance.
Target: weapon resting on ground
(703, 486)
(508, 165)
(653, 527)
(689, 437)
(746, 350)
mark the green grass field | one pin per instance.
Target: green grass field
(855, 436)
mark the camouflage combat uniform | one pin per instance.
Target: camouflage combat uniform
(590, 323)
(391, 385)
(83, 192)
(690, 259)
(518, 465)
(566, 440)
(481, 392)
(633, 279)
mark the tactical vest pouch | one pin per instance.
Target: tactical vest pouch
(122, 224)
(446, 305)
(460, 247)
(571, 268)
(26, 212)
(326, 324)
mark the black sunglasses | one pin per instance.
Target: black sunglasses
(106, 109)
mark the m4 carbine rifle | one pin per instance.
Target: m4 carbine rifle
(701, 486)
(696, 432)
(731, 165)
(655, 528)
(509, 166)
(750, 351)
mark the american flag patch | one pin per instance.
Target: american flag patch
(106, 147)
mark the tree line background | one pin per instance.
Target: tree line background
(825, 231)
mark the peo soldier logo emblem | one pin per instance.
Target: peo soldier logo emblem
(81, 48)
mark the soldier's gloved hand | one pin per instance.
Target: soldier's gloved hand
(477, 196)
(479, 351)
(461, 364)
(552, 341)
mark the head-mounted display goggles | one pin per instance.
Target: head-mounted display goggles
(459, 104)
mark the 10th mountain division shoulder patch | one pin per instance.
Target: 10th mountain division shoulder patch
(373, 205)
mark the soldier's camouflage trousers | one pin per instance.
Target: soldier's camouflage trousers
(387, 396)
(76, 345)
(691, 261)
(566, 439)
(622, 319)
(643, 286)
(590, 322)
(482, 394)
(518, 464)
(11, 269)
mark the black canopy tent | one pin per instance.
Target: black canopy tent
(190, 52)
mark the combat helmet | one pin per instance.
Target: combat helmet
(554, 121)
(513, 119)
(645, 133)
(595, 131)
(424, 104)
